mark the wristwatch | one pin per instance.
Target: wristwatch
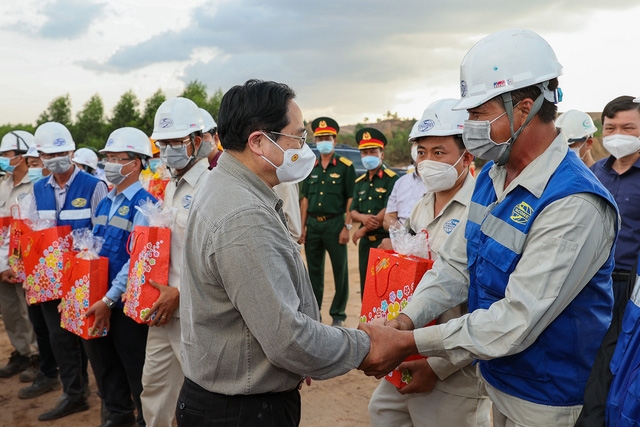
(348, 226)
(110, 304)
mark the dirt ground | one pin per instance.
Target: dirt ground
(339, 402)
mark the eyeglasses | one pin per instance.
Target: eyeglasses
(302, 138)
(174, 143)
(48, 156)
(116, 160)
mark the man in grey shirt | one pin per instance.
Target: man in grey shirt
(250, 333)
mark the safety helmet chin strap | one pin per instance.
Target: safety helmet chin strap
(508, 106)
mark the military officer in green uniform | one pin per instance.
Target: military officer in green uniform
(326, 217)
(370, 196)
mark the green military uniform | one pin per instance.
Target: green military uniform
(370, 197)
(328, 190)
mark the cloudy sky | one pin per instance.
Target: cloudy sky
(348, 59)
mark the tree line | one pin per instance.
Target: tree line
(92, 126)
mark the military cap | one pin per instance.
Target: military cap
(370, 138)
(324, 126)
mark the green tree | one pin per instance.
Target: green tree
(150, 107)
(90, 128)
(197, 92)
(125, 113)
(59, 110)
(213, 105)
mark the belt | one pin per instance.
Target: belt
(323, 218)
(620, 275)
(376, 237)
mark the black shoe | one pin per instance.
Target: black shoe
(41, 385)
(65, 407)
(17, 363)
(337, 322)
(30, 374)
(128, 420)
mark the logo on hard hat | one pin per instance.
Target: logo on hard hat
(521, 213)
(463, 88)
(110, 142)
(586, 124)
(59, 142)
(426, 125)
(501, 83)
(166, 123)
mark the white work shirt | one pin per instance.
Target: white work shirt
(179, 194)
(11, 194)
(407, 191)
(567, 244)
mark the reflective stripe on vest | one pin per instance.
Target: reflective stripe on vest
(47, 215)
(497, 229)
(115, 221)
(75, 214)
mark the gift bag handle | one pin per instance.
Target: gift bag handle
(135, 240)
(381, 294)
(17, 207)
(67, 275)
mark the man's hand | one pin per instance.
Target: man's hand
(386, 244)
(307, 381)
(372, 223)
(103, 316)
(8, 276)
(389, 347)
(343, 239)
(402, 322)
(164, 306)
(358, 234)
(303, 236)
(423, 378)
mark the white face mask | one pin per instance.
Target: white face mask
(621, 145)
(577, 151)
(297, 164)
(438, 176)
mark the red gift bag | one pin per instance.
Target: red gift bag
(42, 257)
(157, 187)
(149, 260)
(5, 228)
(84, 282)
(17, 228)
(390, 283)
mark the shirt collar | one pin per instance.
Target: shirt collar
(608, 164)
(537, 174)
(193, 175)
(128, 192)
(463, 195)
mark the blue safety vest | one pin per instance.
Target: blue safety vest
(554, 369)
(76, 210)
(117, 229)
(623, 401)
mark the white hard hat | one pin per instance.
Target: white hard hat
(207, 118)
(439, 119)
(54, 137)
(503, 62)
(576, 125)
(86, 156)
(128, 140)
(16, 140)
(176, 118)
(32, 152)
(637, 99)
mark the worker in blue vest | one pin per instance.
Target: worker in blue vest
(534, 257)
(68, 197)
(118, 358)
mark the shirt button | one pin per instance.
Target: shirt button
(319, 204)
(369, 211)
(369, 197)
(182, 405)
(321, 193)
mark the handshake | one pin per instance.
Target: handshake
(391, 343)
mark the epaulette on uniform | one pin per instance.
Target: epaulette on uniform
(390, 172)
(361, 177)
(345, 161)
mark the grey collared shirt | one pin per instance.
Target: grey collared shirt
(248, 312)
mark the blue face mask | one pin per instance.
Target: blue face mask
(4, 164)
(35, 174)
(153, 164)
(371, 162)
(324, 147)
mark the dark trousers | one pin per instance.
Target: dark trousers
(117, 361)
(48, 365)
(68, 351)
(202, 408)
(323, 236)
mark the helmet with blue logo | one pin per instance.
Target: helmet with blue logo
(53, 137)
(439, 119)
(177, 118)
(576, 125)
(128, 140)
